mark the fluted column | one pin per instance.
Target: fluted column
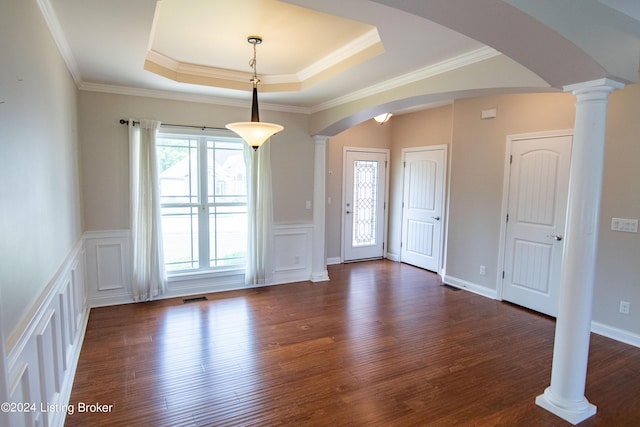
(565, 396)
(319, 259)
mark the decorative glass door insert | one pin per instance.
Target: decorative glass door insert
(364, 190)
(365, 197)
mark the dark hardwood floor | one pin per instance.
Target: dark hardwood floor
(381, 344)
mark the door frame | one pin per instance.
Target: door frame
(505, 195)
(386, 153)
(445, 210)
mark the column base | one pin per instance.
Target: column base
(574, 412)
(320, 276)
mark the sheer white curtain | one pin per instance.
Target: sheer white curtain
(149, 278)
(260, 215)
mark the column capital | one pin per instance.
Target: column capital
(320, 139)
(603, 85)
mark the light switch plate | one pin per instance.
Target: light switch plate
(624, 224)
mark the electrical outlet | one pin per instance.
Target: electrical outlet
(624, 307)
(483, 270)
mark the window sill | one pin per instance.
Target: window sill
(205, 274)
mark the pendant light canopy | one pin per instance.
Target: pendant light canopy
(255, 132)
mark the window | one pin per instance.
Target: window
(203, 196)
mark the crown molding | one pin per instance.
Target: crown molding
(187, 97)
(351, 49)
(447, 65)
(196, 69)
(362, 47)
(424, 73)
(60, 40)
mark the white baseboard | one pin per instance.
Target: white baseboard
(472, 287)
(320, 276)
(616, 334)
(334, 260)
(596, 327)
(392, 257)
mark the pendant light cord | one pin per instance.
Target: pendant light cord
(254, 40)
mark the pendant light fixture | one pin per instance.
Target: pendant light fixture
(255, 132)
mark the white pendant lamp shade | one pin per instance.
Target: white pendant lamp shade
(255, 133)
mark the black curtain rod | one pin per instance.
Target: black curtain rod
(126, 122)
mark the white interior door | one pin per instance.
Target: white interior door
(537, 204)
(422, 208)
(364, 204)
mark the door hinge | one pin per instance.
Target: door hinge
(503, 274)
(510, 158)
(404, 165)
(507, 217)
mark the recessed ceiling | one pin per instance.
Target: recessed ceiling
(203, 44)
(354, 47)
(337, 52)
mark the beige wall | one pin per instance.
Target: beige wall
(477, 173)
(476, 170)
(476, 191)
(40, 220)
(618, 265)
(425, 128)
(105, 155)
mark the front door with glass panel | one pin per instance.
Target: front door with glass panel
(365, 177)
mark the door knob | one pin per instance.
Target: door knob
(555, 237)
(348, 212)
(437, 218)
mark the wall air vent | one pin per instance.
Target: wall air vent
(194, 299)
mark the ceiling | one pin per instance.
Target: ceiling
(314, 54)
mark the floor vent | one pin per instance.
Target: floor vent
(452, 288)
(194, 299)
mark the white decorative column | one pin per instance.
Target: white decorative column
(318, 257)
(565, 396)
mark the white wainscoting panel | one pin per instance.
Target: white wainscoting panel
(292, 252)
(41, 364)
(108, 278)
(108, 275)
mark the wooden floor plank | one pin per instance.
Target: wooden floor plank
(382, 343)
